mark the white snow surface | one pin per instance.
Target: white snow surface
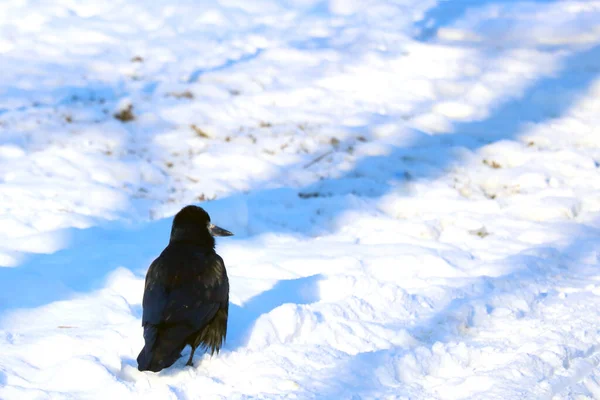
(414, 186)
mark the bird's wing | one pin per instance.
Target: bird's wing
(155, 295)
(191, 296)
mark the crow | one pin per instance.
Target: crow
(186, 294)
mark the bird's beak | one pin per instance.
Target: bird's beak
(216, 231)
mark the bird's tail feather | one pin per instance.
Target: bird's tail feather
(162, 348)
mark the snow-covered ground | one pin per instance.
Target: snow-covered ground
(414, 186)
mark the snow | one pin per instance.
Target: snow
(413, 187)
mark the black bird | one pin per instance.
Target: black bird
(186, 296)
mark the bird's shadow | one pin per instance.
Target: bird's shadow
(243, 317)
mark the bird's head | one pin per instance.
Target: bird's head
(192, 223)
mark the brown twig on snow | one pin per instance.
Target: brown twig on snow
(316, 160)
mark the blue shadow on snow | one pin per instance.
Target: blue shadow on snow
(448, 11)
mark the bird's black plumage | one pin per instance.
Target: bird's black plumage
(186, 295)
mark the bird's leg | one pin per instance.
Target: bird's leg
(189, 362)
